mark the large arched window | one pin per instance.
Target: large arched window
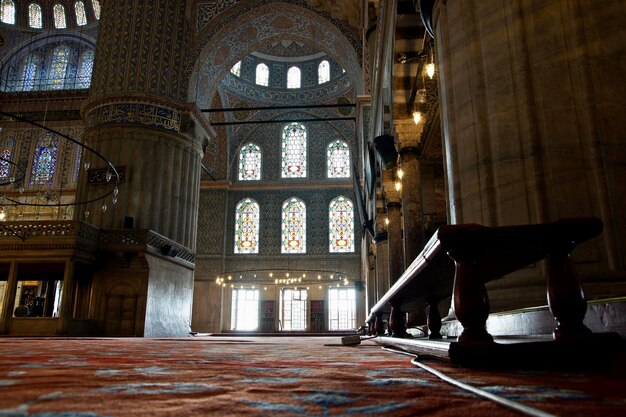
(96, 8)
(341, 225)
(247, 216)
(81, 15)
(45, 160)
(293, 226)
(262, 75)
(338, 159)
(30, 72)
(59, 16)
(323, 72)
(60, 58)
(7, 147)
(293, 153)
(7, 12)
(293, 77)
(85, 69)
(250, 162)
(34, 16)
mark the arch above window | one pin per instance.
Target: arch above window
(341, 225)
(294, 151)
(293, 77)
(262, 75)
(7, 12)
(293, 226)
(338, 159)
(247, 215)
(250, 162)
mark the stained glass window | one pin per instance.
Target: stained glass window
(236, 69)
(338, 159)
(293, 154)
(31, 70)
(250, 162)
(6, 153)
(7, 13)
(76, 169)
(323, 72)
(45, 160)
(60, 59)
(294, 226)
(86, 66)
(341, 225)
(293, 77)
(34, 16)
(247, 226)
(262, 75)
(81, 16)
(96, 8)
(59, 16)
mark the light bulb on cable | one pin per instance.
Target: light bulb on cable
(430, 70)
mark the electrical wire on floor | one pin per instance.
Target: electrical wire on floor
(512, 405)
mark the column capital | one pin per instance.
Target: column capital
(408, 135)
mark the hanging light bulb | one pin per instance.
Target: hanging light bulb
(400, 173)
(398, 185)
(430, 70)
(386, 221)
(3, 215)
(417, 117)
(87, 165)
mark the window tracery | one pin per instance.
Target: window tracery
(341, 225)
(34, 16)
(338, 159)
(293, 77)
(294, 151)
(81, 15)
(7, 147)
(59, 16)
(247, 214)
(250, 162)
(86, 67)
(7, 13)
(96, 8)
(262, 75)
(58, 68)
(293, 226)
(45, 160)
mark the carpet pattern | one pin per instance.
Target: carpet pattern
(271, 376)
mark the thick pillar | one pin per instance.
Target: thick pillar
(532, 99)
(394, 233)
(407, 141)
(135, 118)
(382, 258)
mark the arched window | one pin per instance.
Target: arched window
(7, 147)
(85, 68)
(293, 226)
(45, 160)
(236, 69)
(60, 58)
(7, 12)
(81, 16)
(34, 16)
(262, 75)
(293, 77)
(341, 225)
(30, 73)
(338, 159)
(250, 162)
(96, 8)
(59, 16)
(323, 72)
(247, 226)
(293, 153)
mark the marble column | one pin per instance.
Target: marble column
(532, 101)
(407, 141)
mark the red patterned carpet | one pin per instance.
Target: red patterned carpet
(271, 376)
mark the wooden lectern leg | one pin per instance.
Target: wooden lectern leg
(470, 302)
(397, 328)
(566, 297)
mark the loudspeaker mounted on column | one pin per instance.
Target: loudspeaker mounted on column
(386, 149)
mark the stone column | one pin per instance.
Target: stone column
(382, 258)
(532, 100)
(394, 231)
(136, 117)
(407, 141)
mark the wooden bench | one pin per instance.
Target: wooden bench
(457, 262)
